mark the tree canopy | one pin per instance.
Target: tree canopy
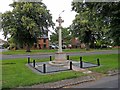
(66, 36)
(95, 20)
(26, 22)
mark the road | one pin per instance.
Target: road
(1, 50)
(105, 82)
(52, 54)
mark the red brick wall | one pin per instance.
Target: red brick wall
(47, 43)
(41, 43)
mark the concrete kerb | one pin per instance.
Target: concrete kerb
(64, 83)
(86, 79)
(112, 73)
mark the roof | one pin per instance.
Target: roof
(44, 36)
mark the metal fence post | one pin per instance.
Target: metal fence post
(44, 68)
(81, 63)
(98, 62)
(33, 63)
(28, 59)
(67, 57)
(70, 65)
(50, 58)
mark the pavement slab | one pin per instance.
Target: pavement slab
(54, 68)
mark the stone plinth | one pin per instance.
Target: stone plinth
(60, 59)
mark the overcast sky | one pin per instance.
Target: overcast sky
(55, 7)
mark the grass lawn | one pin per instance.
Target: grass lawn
(15, 73)
(11, 52)
(108, 62)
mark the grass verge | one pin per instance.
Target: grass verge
(12, 52)
(108, 62)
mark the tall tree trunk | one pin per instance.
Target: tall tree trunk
(87, 46)
(28, 48)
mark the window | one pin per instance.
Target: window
(44, 45)
(44, 40)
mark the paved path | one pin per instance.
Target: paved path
(105, 82)
(53, 68)
(52, 54)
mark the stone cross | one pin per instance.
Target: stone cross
(60, 21)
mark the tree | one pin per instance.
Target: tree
(96, 20)
(112, 12)
(86, 25)
(26, 22)
(54, 36)
(0, 19)
(66, 36)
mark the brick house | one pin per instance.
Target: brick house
(43, 42)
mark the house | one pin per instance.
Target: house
(43, 42)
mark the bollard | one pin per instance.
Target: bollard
(28, 59)
(67, 57)
(81, 63)
(50, 58)
(98, 62)
(44, 68)
(70, 65)
(33, 63)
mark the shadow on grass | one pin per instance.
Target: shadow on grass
(8, 63)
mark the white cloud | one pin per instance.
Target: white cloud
(57, 6)
(4, 5)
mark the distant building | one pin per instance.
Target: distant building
(75, 42)
(43, 42)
